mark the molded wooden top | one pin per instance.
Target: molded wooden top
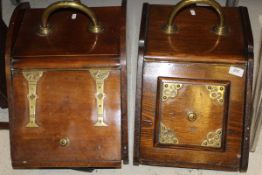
(195, 40)
(68, 37)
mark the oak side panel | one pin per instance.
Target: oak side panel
(123, 61)
(139, 83)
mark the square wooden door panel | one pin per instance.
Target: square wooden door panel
(191, 113)
(64, 126)
(192, 95)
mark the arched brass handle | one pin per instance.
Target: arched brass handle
(44, 28)
(220, 29)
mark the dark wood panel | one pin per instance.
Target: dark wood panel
(249, 46)
(195, 35)
(123, 61)
(64, 38)
(139, 83)
(231, 156)
(67, 112)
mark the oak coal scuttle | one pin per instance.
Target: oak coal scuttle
(66, 81)
(194, 82)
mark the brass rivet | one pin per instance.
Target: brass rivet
(221, 88)
(32, 96)
(166, 85)
(191, 116)
(213, 94)
(164, 97)
(64, 141)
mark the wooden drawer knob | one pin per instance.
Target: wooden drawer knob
(64, 141)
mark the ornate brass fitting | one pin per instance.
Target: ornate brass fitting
(167, 136)
(100, 76)
(216, 93)
(32, 77)
(213, 139)
(169, 90)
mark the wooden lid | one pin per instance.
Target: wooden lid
(68, 37)
(195, 41)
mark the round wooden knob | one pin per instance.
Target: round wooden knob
(191, 116)
(64, 141)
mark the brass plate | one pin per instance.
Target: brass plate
(167, 136)
(213, 139)
(170, 90)
(216, 93)
(32, 78)
(100, 76)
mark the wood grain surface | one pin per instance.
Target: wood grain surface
(66, 104)
(195, 57)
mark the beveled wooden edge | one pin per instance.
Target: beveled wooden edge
(4, 125)
(248, 117)
(189, 165)
(248, 40)
(139, 83)
(91, 164)
(124, 112)
(14, 26)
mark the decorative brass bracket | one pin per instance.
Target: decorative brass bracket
(216, 93)
(167, 136)
(213, 139)
(32, 78)
(169, 90)
(100, 76)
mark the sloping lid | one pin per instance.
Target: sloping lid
(195, 40)
(68, 36)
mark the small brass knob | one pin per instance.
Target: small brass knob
(191, 116)
(64, 141)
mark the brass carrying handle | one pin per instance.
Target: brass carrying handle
(44, 28)
(220, 29)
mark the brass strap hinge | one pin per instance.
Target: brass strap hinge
(100, 76)
(32, 78)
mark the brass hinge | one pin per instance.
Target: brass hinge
(100, 76)
(32, 78)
